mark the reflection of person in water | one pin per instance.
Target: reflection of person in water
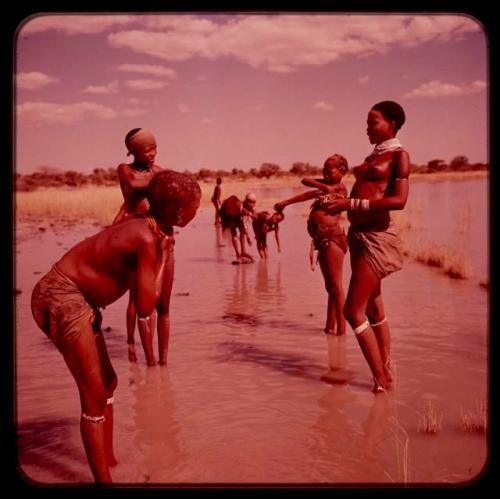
(343, 453)
(157, 432)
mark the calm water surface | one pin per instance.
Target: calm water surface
(241, 400)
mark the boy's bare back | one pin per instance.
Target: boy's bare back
(102, 264)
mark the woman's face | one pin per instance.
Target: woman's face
(379, 128)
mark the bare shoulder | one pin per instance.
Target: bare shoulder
(137, 230)
(401, 164)
(157, 168)
(123, 169)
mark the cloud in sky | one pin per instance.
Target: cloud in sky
(363, 79)
(435, 88)
(134, 112)
(145, 84)
(323, 106)
(34, 80)
(284, 43)
(74, 24)
(110, 88)
(52, 113)
(156, 70)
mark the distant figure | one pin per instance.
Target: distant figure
(95, 273)
(328, 236)
(249, 213)
(234, 216)
(262, 225)
(216, 200)
(134, 180)
(376, 251)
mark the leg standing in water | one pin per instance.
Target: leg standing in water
(382, 185)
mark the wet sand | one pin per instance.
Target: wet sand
(241, 401)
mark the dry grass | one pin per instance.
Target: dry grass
(431, 420)
(451, 260)
(476, 419)
(97, 204)
(453, 263)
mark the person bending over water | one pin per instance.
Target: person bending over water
(376, 250)
(95, 273)
(264, 223)
(234, 216)
(328, 235)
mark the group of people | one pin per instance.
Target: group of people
(136, 254)
(235, 215)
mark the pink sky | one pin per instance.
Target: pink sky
(235, 91)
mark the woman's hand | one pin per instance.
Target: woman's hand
(337, 206)
(279, 207)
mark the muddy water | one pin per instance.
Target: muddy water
(241, 400)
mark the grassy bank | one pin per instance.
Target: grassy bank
(99, 204)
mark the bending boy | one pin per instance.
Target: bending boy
(96, 272)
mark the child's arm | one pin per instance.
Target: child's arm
(130, 182)
(395, 201)
(311, 182)
(306, 196)
(276, 235)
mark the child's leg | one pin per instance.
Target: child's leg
(131, 317)
(378, 322)
(234, 240)
(164, 310)
(331, 260)
(84, 363)
(146, 339)
(362, 285)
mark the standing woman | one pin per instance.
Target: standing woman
(376, 251)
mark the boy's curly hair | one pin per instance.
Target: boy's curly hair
(171, 187)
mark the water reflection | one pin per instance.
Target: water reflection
(219, 243)
(50, 451)
(284, 362)
(346, 451)
(157, 432)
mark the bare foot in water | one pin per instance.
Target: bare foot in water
(337, 377)
(132, 357)
(380, 387)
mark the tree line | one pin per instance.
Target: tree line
(52, 177)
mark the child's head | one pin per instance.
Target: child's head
(384, 121)
(277, 217)
(218, 181)
(250, 201)
(142, 144)
(173, 198)
(335, 168)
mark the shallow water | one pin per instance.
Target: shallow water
(241, 400)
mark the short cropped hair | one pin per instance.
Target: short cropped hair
(131, 134)
(169, 187)
(338, 161)
(391, 111)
